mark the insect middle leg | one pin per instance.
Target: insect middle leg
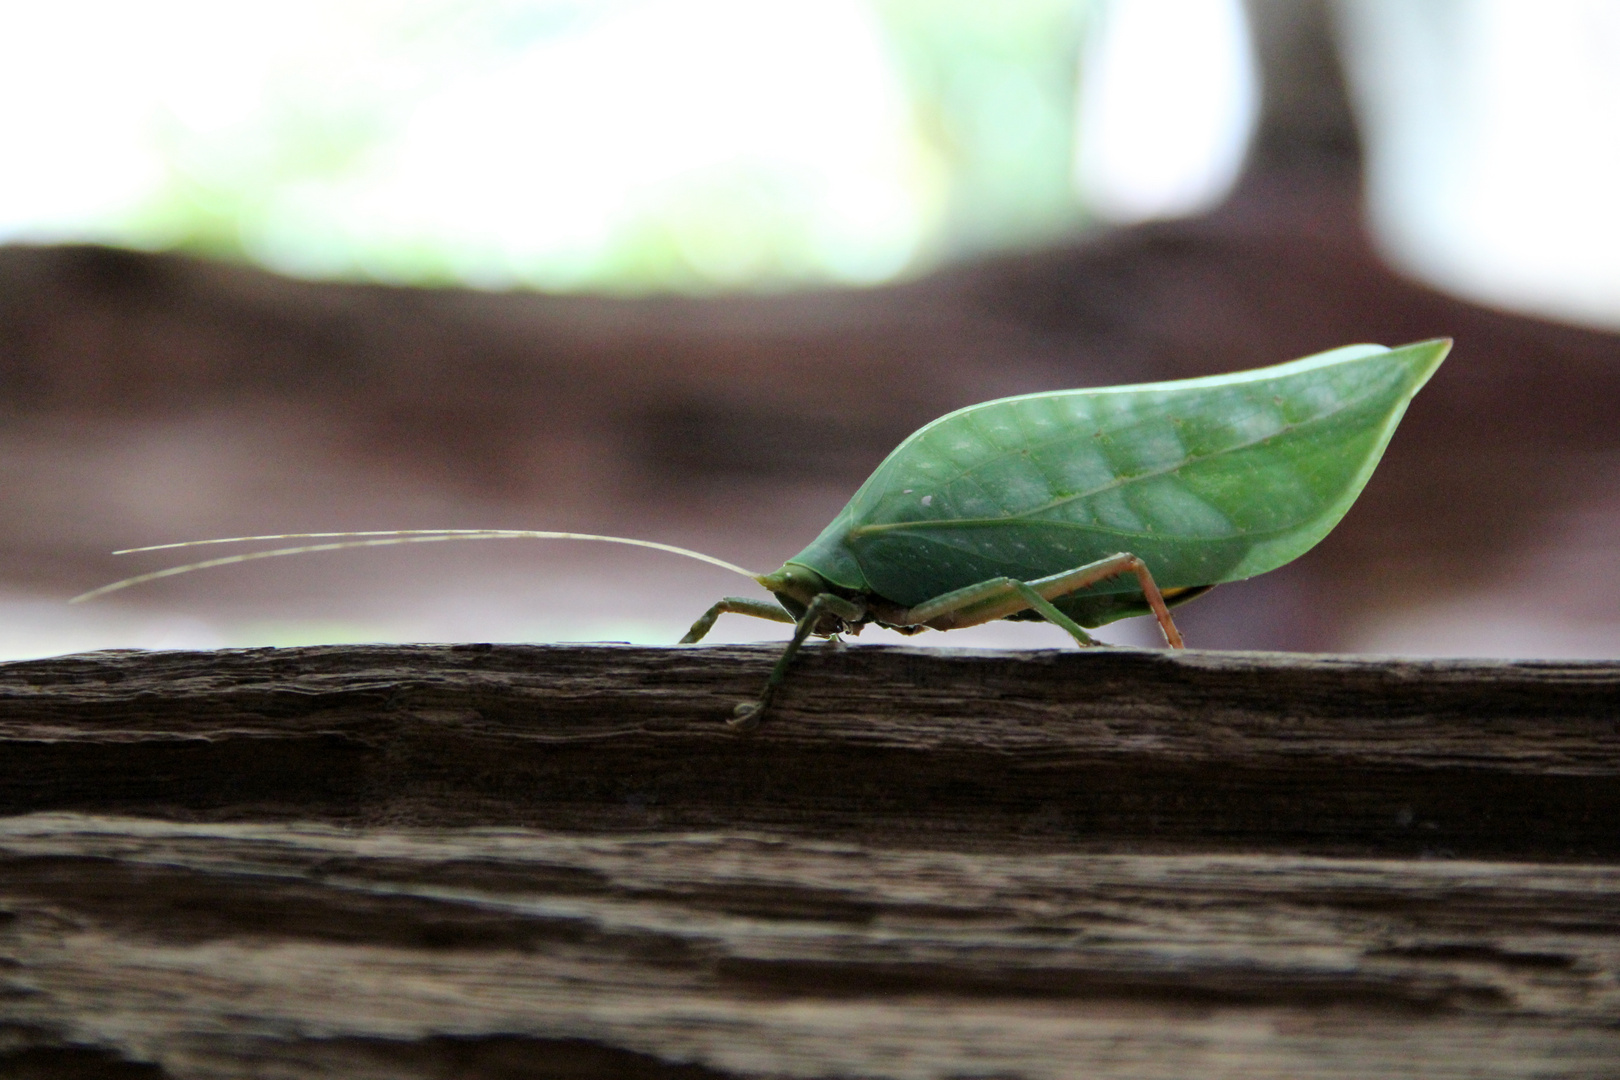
(999, 597)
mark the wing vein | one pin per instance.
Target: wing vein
(1117, 482)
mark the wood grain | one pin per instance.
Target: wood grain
(1099, 750)
(212, 949)
(503, 861)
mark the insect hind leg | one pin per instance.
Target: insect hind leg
(999, 597)
(1123, 563)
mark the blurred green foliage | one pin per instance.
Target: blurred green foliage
(993, 87)
(308, 151)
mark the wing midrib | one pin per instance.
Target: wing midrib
(1118, 481)
(981, 523)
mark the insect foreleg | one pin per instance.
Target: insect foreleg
(1000, 597)
(749, 715)
(737, 605)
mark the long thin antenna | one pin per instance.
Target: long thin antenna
(384, 539)
(376, 532)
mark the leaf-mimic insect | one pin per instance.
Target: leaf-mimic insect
(1078, 507)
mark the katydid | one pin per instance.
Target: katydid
(1077, 507)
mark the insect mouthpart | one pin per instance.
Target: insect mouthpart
(795, 586)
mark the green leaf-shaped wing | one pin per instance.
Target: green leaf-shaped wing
(1208, 480)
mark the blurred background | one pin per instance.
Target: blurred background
(687, 269)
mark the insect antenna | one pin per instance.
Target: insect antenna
(381, 538)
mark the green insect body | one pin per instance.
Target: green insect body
(1206, 480)
(1203, 481)
(1074, 506)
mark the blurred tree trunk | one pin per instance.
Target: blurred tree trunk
(1306, 121)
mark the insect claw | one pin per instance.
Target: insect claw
(746, 716)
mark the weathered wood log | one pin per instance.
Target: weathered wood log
(494, 861)
(888, 745)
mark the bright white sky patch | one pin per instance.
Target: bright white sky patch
(75, 154)
(748, 138)
(550, 143)
(1169, 97)
(714, 143)
(1493, 147)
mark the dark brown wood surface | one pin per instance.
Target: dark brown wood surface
(502, 861)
